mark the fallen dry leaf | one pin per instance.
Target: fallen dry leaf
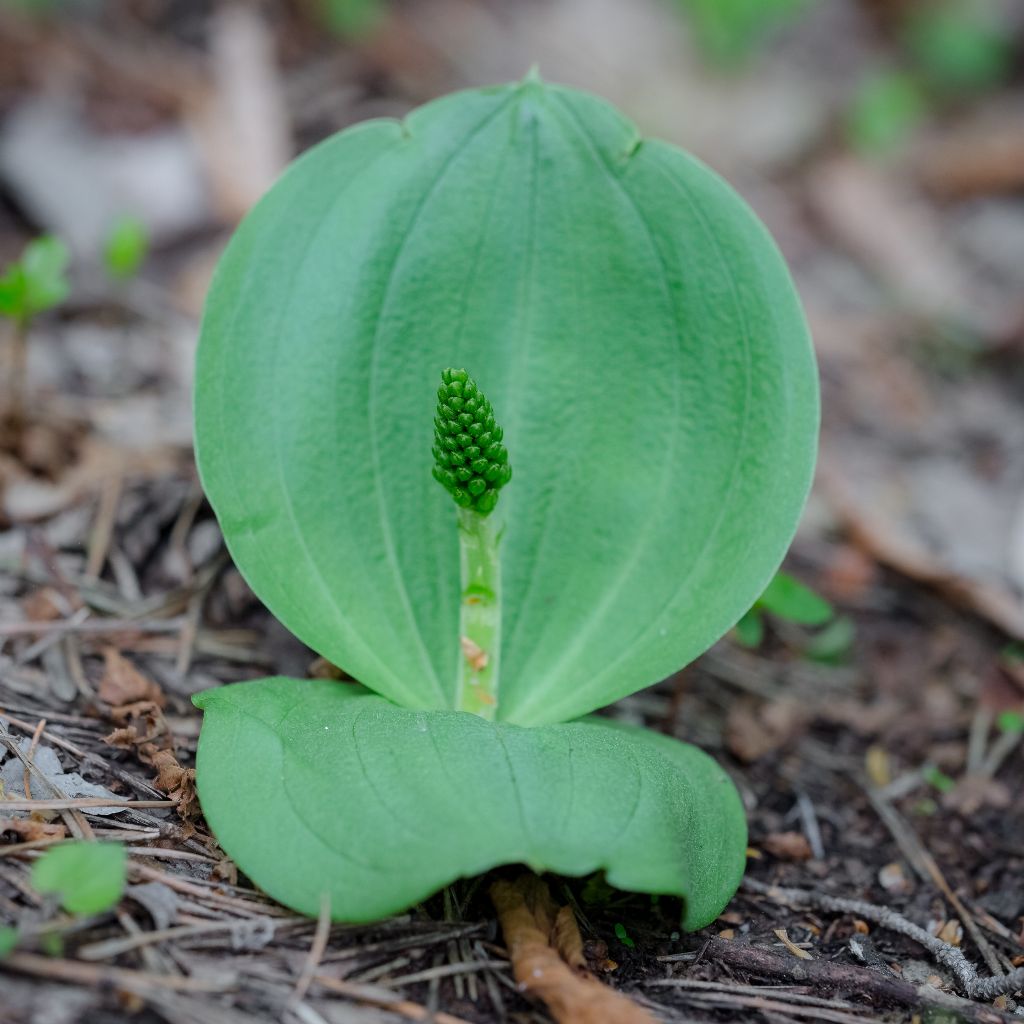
(893, 879)
(981, 157)
(45, 604)
(547, 957)
(32, 830)
(177, 782)
(788, 846)
(756, 728)
(973, 792)
(951, 931)
(123, 684)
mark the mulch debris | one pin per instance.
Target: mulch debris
(886, 864)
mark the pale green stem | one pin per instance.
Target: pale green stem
(480, 615)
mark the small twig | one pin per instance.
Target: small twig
(121, 977)
(116, 947)
(1001, 749)
(103, 526)
(29, 757)
(983, 989)
(101, 627)
(810, 822)
(878, 987)
(977, 739)
(19, 377)
(316, 952)
(445, 971)
(81, 802)
(385, 1000)
(929, 871)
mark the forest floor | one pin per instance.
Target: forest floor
(879, 757)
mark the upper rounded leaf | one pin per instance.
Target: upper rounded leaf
(617, 302)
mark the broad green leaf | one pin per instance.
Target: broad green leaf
(89, 877)
(636, 331)
(380, 806)
(791, 600)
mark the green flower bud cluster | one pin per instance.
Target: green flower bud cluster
(471, 463)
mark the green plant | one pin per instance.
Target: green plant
(638, 333)
(31, 285)
(937, 778)
(787, 598)
(729, 31)
(88, 877)
(886, 107)
(126, 247)
(960, 45)
(1011, 722)
(351, 17)
(8, 940)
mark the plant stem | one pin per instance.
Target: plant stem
(19, 376)
(480, 615)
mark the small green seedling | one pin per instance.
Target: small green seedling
(937, 778)
(352, 17)
(30, 286)
(88, 877)
(729, 31)
(961, 46)
(1011, 722)
(36, 282)
(126, 248)
(788, 599)
(886, 108)
(8, 940)
(648, 374)
(623, 936)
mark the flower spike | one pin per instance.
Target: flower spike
(470, 461)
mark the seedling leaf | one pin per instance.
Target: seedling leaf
(37, 281)
(126, 248)
(788, 598)
(750, 629)
(88, 876)
(1011, 722)
(885, 110)
(960, 44)
(383, 806)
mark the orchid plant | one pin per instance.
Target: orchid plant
(649, 375)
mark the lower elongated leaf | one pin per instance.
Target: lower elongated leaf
(320, 788)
